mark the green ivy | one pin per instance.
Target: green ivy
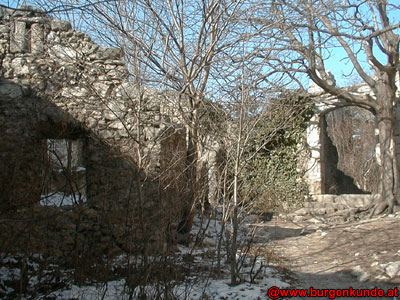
(271, 180)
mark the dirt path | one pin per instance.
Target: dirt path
(357, 254)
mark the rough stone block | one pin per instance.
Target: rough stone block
(3, 47)
(113, 53)
(74, 92)
(18, 42)
(60, 25)
(63, 54)
(37, 38)
(53, 38)
(4, 29)
(20, 67)
(10, 90)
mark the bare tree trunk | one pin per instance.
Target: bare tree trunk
(389, 167)
(192, 189)
(235, 223)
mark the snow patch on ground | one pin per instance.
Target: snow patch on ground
(61, 199)
(199, 257)
(108, 291)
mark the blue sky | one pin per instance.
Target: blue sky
(337, 63)
(343, 69)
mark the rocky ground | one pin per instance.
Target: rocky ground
(324, 246)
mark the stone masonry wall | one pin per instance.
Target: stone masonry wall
(318, 164)
(57, 87)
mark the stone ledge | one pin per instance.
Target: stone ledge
(350, 200)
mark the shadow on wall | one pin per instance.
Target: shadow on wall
(68, 192)
(335, 181)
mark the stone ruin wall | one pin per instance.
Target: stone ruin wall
(321, 163)
(58, 85)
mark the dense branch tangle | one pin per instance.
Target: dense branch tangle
(368, 35)
(177, 43)
(181, 45)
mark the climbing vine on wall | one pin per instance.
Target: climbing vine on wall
(272, 179)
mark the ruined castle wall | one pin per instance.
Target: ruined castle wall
(59, 88)
(321, 165)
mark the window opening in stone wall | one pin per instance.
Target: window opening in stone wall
(28, 37)
(66, 178)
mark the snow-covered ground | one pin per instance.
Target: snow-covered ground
(51, 281)
(61, 199)
(213, 289)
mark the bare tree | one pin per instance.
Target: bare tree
(178, 42)
(305, 35)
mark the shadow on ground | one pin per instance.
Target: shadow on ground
(340, 280)
(355, 254)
